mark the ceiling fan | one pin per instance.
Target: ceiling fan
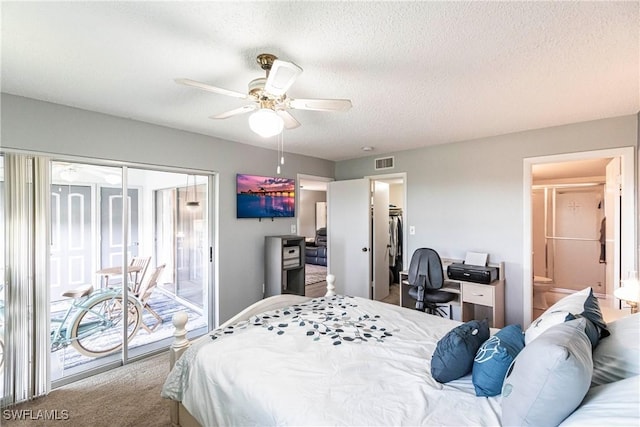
(270, 101)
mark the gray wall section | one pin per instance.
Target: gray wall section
(468, 196)
(307, 213)
(38, 126)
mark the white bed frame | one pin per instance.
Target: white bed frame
(180, 417)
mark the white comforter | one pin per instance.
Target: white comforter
(330, 361)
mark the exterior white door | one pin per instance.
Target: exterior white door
(72, 238)
(348, 235)
(112, 250)
(380, 253)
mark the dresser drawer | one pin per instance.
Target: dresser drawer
(477, 294)
(291, 252)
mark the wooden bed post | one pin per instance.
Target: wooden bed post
(331, 288)
(180, 341)
(179, 346)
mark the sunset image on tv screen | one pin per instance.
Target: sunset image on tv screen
(265, 196)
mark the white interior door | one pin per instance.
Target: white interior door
(348, 231)
(380, 247)
(612, 210)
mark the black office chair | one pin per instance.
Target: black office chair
(426, 276)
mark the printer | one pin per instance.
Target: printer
(472, 273)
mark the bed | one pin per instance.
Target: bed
(340, 360)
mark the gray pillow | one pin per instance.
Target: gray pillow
(618, 356)
(549, 377)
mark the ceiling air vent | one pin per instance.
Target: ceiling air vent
(384, 163)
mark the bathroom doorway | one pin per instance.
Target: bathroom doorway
(569, 231)
(582, 226)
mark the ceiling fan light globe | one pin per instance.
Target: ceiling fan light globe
(266, 122)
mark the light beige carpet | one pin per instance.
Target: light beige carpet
(126, 396)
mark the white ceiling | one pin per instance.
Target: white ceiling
(587, 168)
(418, 73)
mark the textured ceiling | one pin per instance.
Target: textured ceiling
(418, 73)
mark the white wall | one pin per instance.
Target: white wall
(43, 127)
(396, 195)
(307, 214)
(467, 196)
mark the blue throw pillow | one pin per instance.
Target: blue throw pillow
(493, 359)
(453, 357)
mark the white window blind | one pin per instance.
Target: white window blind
(27, 183)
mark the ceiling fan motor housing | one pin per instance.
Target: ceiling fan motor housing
(256, 87)
(266, 61)
(266, 100)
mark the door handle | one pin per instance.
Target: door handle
(365, 249)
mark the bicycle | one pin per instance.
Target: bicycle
(90, 324)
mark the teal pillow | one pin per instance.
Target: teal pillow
(493, 359)
(453, 357)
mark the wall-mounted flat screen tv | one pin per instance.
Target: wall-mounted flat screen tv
(265, 196)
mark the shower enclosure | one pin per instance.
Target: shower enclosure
(569, 236)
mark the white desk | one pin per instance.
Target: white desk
(476, 300)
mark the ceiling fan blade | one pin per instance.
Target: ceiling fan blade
(320, 104)
(281, 77)
(235, 112)
(210, 88)
(290, 122)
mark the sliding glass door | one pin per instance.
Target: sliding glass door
(86, 313)
(148, 249)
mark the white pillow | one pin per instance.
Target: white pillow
(614, 404)
(618, 355)
(544, 322)
(573, 303)
(581, 303)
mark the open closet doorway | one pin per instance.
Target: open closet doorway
(581, 216)
(312, 224)
(394, 258)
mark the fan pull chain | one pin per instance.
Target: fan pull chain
(280, 144)
(282, 147)
(278, 156)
